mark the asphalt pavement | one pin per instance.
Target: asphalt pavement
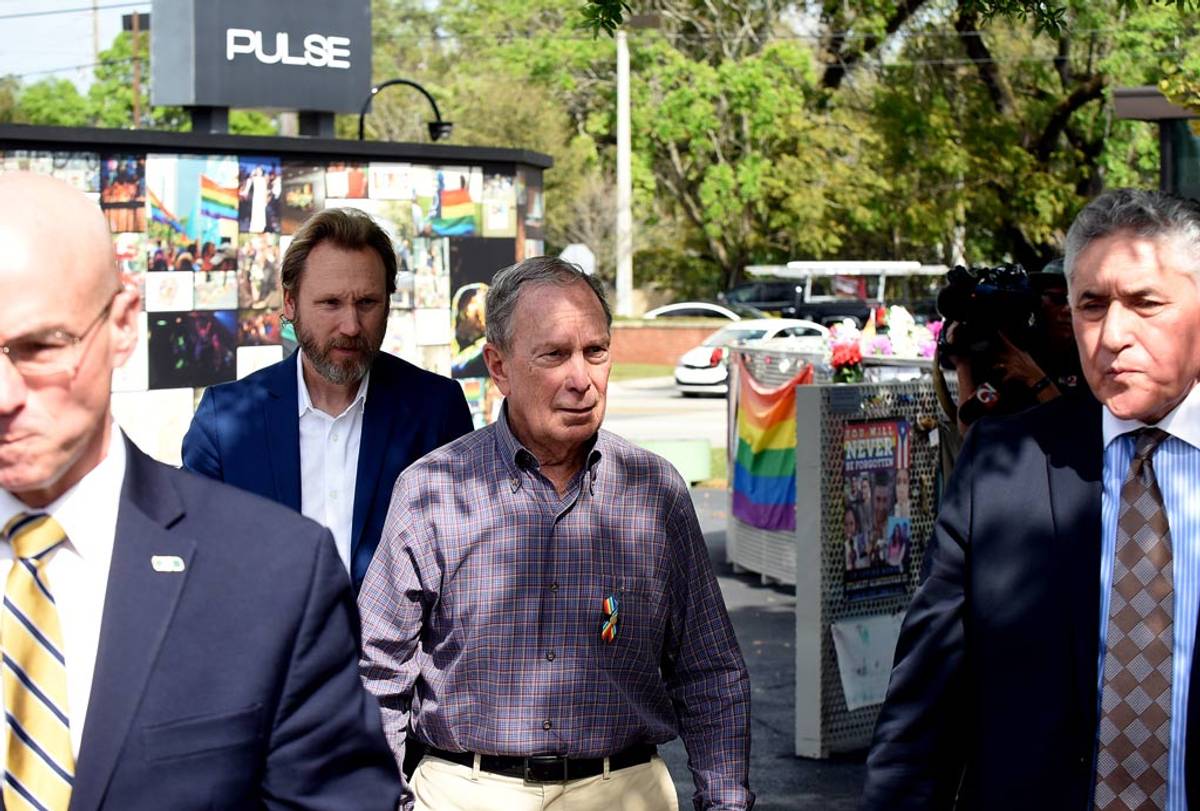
(650, 408)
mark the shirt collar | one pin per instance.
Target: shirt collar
(304, 401)
(520, 458)
(90, 504)
(1183, 421)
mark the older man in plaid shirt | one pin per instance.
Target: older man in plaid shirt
(541, 612)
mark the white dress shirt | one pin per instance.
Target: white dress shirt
(329, 462)
(1177, 469)
(78, 571)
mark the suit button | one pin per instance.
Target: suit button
(546, 725)
(550, 656)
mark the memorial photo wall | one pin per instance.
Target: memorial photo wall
(202, 237)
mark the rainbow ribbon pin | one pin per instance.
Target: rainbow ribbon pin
(611, 608)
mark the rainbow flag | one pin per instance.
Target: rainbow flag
(458, 214)
(160, 213)
(216, 201)
(764, 472)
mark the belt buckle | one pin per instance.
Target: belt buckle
(546, 769)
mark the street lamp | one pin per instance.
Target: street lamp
(438, 128)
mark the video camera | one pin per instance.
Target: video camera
(978, 304)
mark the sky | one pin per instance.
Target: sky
(43, 38)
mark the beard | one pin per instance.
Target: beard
(340, 373)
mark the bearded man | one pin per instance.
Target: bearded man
(327, 430)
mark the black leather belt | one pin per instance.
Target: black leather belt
(548, 768)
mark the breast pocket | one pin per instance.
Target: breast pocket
(641, 625)
(203, 735)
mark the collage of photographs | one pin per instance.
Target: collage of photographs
(203, 236)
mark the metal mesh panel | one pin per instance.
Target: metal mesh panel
(842, 729)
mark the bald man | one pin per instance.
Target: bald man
(168, 641)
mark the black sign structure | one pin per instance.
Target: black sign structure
(298, 55)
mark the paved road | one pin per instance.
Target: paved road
(651, 409)
(764, 620)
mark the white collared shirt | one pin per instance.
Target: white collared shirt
(329, 461)
(78, 571)
(1177, 470)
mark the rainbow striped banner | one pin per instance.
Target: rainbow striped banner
(160, 213)
(764, 472)
(217, 201)
(458, 214)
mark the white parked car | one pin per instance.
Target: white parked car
(704, 309)
(705, 369)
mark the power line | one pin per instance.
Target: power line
(52, 12)
(67, 68)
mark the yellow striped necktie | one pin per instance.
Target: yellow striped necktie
(40, 765)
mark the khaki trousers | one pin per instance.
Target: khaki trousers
(440, 785)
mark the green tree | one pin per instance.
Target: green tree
(53, 102)
(1046, 16)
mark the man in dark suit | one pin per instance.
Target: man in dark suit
(1046, 662)
(169, 642)
(327, 430)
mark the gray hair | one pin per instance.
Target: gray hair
(1145, 214)
(506, 286)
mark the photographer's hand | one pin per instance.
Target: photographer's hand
(1017, 366)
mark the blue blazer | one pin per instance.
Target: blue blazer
(993, 702)
(247, 433)
(233, 683)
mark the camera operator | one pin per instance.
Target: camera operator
(1057, 352)
(1008, 339)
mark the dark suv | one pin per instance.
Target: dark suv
(786, 298)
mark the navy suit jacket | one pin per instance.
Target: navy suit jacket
(247, 433)
(994, 699)
(233, 683)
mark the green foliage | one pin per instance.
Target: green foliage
(251, 122)
(10, 90)
(604, 15)
(1046, 17)
(53, 102)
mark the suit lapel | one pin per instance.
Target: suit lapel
(138, 607)
(1075, 465)
(282, 429)
(381, 410)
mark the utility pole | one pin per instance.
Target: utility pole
(136, 23)
(624, 183)
(137, 73)
(96, 31)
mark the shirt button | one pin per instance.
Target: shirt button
(333, 495)
(333, 437)
(515, 483)
(550, 656)
(546, 725)
(554, 587)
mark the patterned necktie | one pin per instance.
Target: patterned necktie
(1135, 722)
(40, 765)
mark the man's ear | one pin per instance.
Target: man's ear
(126, 308)
(289, 304)
(497, 366)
